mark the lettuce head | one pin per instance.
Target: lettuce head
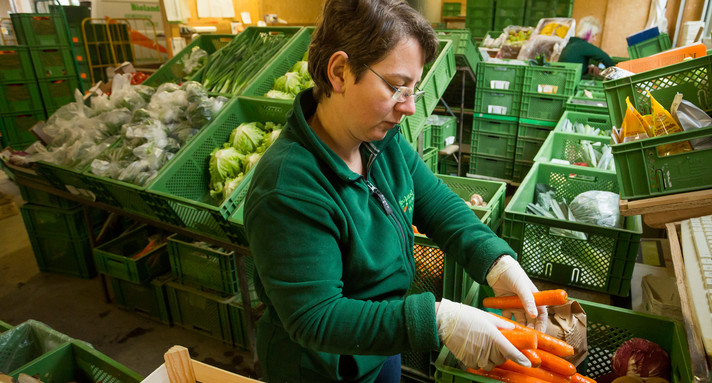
(247, 137)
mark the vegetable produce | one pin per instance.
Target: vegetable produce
(247, 137)
(533, 356)
(556, 364)
(231, 68)
(545, 342)
(506, 376)
(225, 163)
(520, 339)
(194, 61)
(641, 357)
(292, 82)
(539, 373)
(541, 298)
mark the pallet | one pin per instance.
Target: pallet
(658, 211)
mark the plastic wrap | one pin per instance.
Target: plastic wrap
(202, 111)
(691, 117)
(597, 207)
(27, 341)
(549, 46)
(195, 60)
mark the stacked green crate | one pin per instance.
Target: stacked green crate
(546, 89)
(20, 100)
(75, 15)
(508, 12)
(479, 16)
(541, 9)
(451, 9)
(494, 126)
(60, 240)
(47, 38)
(588, 101)
(650, 47)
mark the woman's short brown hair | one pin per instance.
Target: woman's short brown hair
(366, 30)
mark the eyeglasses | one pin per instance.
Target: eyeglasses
(402, 93)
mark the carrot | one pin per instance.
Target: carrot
(506, 376)
(533, 356)
(555, 364)
(578, 378)
(542, 298)
(545, 342)
(535, 372)
(520, 339)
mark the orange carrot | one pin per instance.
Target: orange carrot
(544, 341)
(578, 378)
(553, 363)
(533, 356)
(535, 372)
(541, 298)
(506, 376)
(520, 339)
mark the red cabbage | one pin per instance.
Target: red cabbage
(641, 357)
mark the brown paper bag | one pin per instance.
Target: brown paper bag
(568, 323)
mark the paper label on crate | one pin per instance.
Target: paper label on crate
(499, 84)
(81, 192)
(560, 162)
(496, 109)
(547, 89)
(449, 140)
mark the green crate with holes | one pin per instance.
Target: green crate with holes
(534, 129)
(527, 148)
(542, 107)
(20, 96)
(650, 47)
(444, 130)
(587, 105)
(40, 29)
(521, 169)
(52, 62)
(495, 167)
(490, 123)
(200, 311)
(59, 91)
(15, 127)
(136, 256)
(582, 255)
(146, 299)
(500, 76)
(607, 327)
(493, 145)
(558, 79)
(466, 52)
(571, 120)
(567, 147)
(499, 102)
(16, 63)
(492, 192)
(430, 157)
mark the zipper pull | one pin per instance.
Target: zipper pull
(381, 198)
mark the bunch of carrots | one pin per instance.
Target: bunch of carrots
(545, 352)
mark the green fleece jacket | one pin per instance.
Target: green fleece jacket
(578, 50)
(334, 253)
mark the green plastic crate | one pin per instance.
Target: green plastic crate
(15, 127)
(607, 328)
(434, 83)
(183, 185)
(591, 84)
(559, 79)
(74, 14)
(18, 97)
(117, 258)
(480, 8)
(146, 299)
(500, 102)
(602, 262)
(40, 29)
(597, 93)
(566, 146)
(24, 343)
(492, 192)
(534, 129)
(430, 157)
(692, 78)
(66, 178)
(500, 76)
(59, 91)
(527, 149)
(521, 169)
(289, 56)
(597, 121)
(54, 221)
(478, 26)
(650, 47)
(499, 168)
(444, 130)
(172, 71)
(203, 267)
(52, 62)
(493, 145)
(508, 13)
(78, 362)
(466, 52)
(16, 63)
(238, 321)
(64, 255)
(542, 107)
(587, 105)
(643, 173)
(490, 123)
(427, 135)
(200, 311)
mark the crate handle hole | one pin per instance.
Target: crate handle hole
(581, 177)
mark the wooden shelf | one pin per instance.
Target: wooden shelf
(658, 211)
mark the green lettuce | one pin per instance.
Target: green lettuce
(247, 137)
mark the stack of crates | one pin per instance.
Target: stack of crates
(20, 100)
(479, 16)
(508, 12)
(58, 232)
(452, 9)
(581, 102)
(47, 38)
(494, 128)
(545, 92)
(441, 131)
(204, 294)
(541, 9)
(135, 263)
(75, 14)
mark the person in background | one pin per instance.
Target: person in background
(580, 48)
(330, 210)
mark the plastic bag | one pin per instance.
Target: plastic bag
(614, 73)
(691, 117)
(664, 124)
(549, 46)
(27, 341)
(597, 207)
(194, 61)
(200, 113)
(633, 127)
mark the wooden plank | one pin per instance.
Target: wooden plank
(691, 200)
(660, 219)
(178, 365)
(208, 374)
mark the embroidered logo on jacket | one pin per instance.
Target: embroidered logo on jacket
(406, 202)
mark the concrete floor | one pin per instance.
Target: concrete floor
(77, 307)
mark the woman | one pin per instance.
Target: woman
(580, 49)
(330, 208)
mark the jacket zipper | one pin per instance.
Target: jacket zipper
(387, 207)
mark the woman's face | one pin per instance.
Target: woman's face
(370, 111)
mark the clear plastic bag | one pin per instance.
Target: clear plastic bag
(194, 61)
(691, 117)
(27, 341)
(597, 207)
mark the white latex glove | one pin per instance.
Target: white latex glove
(508, 278)
(473, 336)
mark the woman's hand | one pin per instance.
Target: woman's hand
(593, 70)
(473, 336)
(507, 277)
